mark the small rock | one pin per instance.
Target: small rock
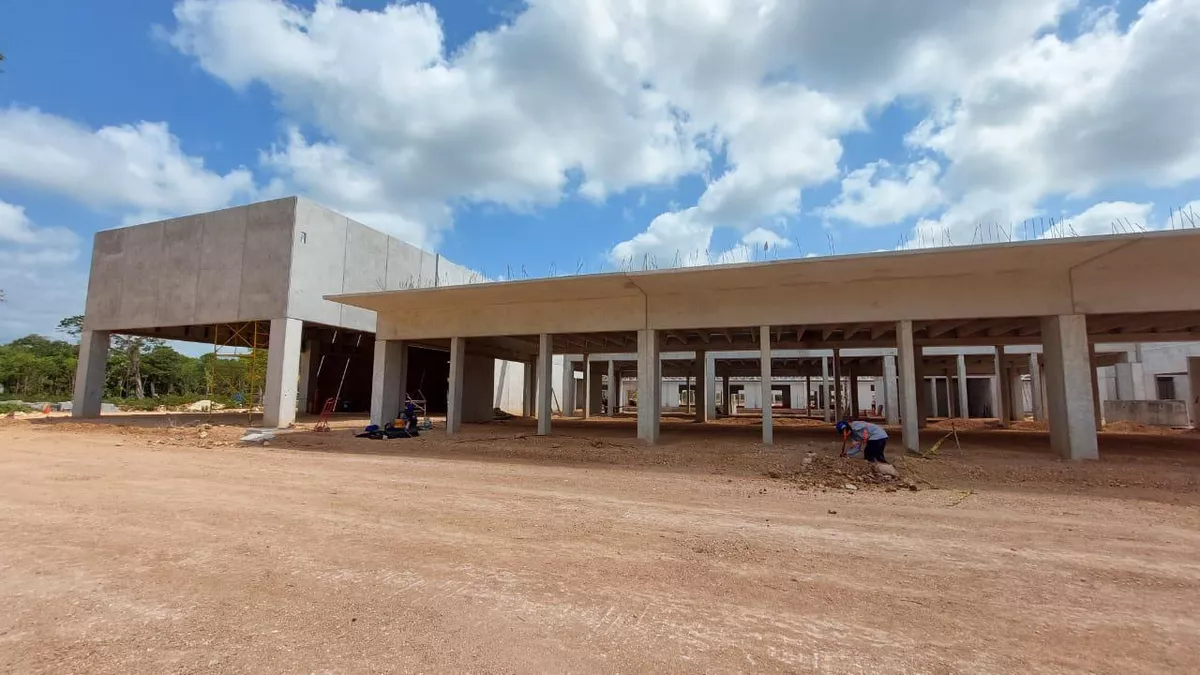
(885, 470)
(266, 443)
(832, 512)
(203, 434)
(774, 474)
(914, 487)
(850, 486)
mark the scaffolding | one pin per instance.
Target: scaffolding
(238, 367)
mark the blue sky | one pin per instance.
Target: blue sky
(563, 136)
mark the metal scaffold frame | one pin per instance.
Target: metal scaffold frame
(246, 342)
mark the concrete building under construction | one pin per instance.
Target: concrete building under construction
(1061, 330)
(251, 281)
(1060, 299)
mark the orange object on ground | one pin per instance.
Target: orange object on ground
(323, 422)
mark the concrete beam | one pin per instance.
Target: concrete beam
(1068, 387)
(454, 395)
(907, 357)
(90, 373)
(649, 385)
(544, 378)
(768, 435)
(388, 378)
(283, 373)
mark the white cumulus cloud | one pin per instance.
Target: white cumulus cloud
(139, 166)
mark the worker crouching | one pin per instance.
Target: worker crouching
(863, 439)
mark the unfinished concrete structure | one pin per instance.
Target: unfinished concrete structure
(263, 270)
(1063, 295)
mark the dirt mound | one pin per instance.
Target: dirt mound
(195, 434)
(817, 471)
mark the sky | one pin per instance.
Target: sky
(556, 137)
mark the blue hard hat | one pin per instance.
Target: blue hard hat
(843, 426)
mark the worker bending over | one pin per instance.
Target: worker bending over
(865, 439)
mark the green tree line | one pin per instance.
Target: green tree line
(139, 369)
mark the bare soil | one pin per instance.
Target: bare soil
(163, 545)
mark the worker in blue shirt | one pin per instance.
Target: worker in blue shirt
(865, 438)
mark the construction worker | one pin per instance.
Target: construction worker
(865, 438)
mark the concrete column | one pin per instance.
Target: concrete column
(649, 378)
(567, 390)
(1001, 389)
(544, 377)
(703, 377)
(964, 402)
(854, 406)
(1130, 382)
(587, 386)
(388, 378)
(710, 388)
(685, 399)
(1068, 399)
(1193, 400)
(1035, 388)
(595, 390)
(826, 398)
(454, 393)
(90, 373)
(923, 397)
(1095, 385)
(764, 353)
(807, 396)
(614, 389)
(891, 396)
(283, 373)
(306, 354)
(907, 356)
(1016, 390)
(950, 412)
(839, 408)
(529, 390)
(726, 396)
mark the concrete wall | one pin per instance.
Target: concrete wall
(220, 267)
(261, 261)
(334, 254)
(509, 385)
(1149, 413)
(478, 378)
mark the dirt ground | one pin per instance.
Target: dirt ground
(154, 544)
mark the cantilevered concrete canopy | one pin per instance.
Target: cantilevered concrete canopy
(1066, 295)
(959, 292)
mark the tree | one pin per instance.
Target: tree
(131, 349)
(72, 325)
